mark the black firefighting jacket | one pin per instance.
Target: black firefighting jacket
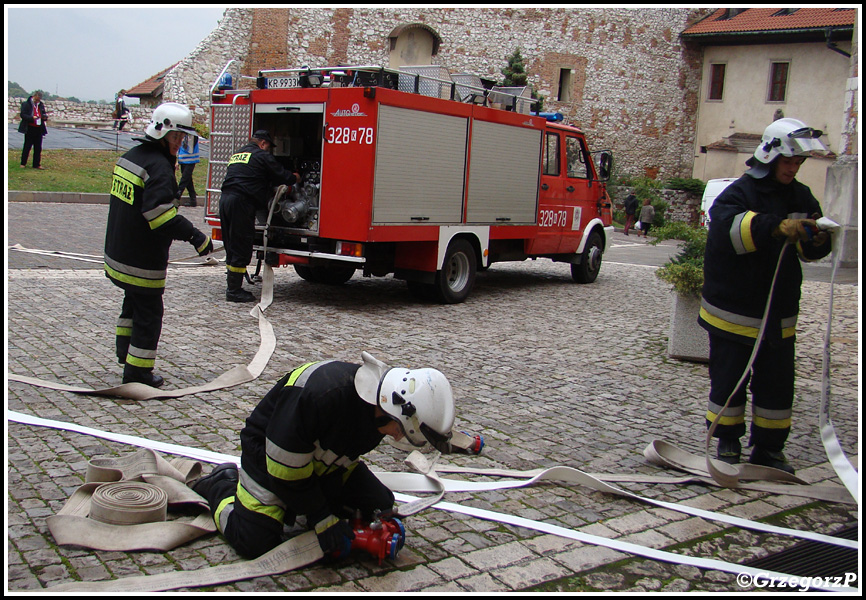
(742, 254)
(253, 173)
(311, 425)
(143, 221)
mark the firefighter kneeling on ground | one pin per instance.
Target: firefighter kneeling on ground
(251, 175)
(142, 223)
(301, 445)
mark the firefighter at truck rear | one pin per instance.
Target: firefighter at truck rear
(752, 220)
(251, 175)
(142, 223)
(301, 445)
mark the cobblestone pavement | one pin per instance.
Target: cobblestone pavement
(550, 372)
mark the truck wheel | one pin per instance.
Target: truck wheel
(455, 280)
(326, 275)
(590, 260)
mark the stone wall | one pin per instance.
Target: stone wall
(65, 113)
(634, 84)
(682, 206)
(190, 81)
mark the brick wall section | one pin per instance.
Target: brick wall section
(268, 48)
(341, 36)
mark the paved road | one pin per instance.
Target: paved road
(550, 372)
(82, 138)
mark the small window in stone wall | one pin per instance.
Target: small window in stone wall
(412, 46)
(778, 81)
(717, 82)
(564, 94)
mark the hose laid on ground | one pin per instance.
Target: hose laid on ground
(304, 549)
(238, 375)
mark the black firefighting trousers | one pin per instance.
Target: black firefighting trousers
(771, 383)
(252, 533)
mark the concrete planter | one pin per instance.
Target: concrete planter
(686, 339)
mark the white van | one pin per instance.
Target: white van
(713, 189)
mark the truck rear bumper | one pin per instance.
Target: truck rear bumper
(309, 254)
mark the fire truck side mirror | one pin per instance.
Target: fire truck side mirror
(605, 165)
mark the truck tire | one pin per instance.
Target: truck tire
(327, 275)
(590, 261)
(455, 280)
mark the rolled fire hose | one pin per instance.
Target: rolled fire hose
(304, 549)
(123, 505)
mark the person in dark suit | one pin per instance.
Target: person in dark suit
(33, 118)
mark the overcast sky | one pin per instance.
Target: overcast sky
(91, 53)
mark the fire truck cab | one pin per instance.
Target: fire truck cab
(414, 173)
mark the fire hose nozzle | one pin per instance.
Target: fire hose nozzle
(383, 538)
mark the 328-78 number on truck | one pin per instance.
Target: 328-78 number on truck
(552, 218)
(349, 135)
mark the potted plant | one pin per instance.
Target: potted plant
(685, 272)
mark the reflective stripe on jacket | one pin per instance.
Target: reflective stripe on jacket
(742, 254)
(142, 219)
(312, 424)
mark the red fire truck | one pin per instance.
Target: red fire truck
(413, 172)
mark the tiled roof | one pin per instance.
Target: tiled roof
(773, 19)
(150, 87)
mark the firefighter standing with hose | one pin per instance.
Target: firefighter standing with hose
(142, 223)
(301, 445)
(752, 221)
(251, 175)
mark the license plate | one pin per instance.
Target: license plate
(283, 82)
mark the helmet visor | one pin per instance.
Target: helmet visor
(806, 140)
(441, 442)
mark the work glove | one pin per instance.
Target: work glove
(335, 535)
(821, 235)
(201, 242)
(795, 230)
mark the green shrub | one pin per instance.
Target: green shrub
(685, 271)
(695, 186)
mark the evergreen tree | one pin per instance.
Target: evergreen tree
(515, 76)
(515, 71)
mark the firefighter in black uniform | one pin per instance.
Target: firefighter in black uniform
(752, 221)
(301, 445)
(251, 175)
(142, 223)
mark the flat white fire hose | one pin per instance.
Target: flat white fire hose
(304, 549)
(731, 475)
(235, 376)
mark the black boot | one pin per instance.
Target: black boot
(208, 484)
(769, 458)
(138, 375)
(729, 450)
(234, 288)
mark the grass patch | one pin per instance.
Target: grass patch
(81, 171)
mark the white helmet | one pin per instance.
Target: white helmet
(170, 116)
(420, 400)
(787, 137)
